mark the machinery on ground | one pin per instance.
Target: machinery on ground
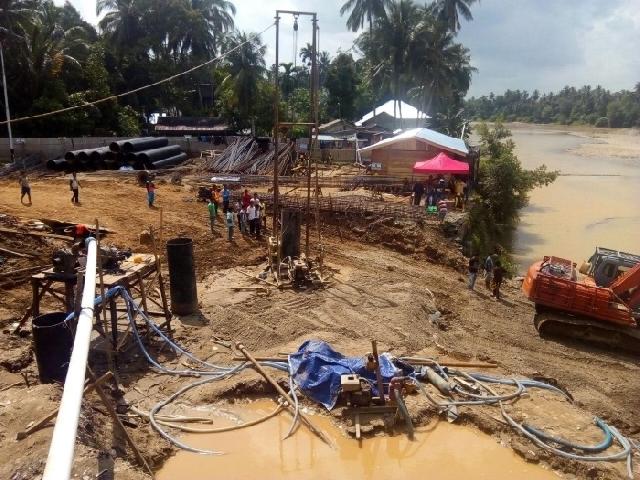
(602, 307)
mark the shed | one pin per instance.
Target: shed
(397, 155)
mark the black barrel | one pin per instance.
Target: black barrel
(168, 162)
(52, 345)
(182, 276)
(146, 143)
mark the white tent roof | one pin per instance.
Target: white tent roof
(408, 112)
(432, 137)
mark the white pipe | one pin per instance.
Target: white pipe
(60, 459)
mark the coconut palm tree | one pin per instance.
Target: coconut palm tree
(216, 16)
(246, 66)
(363, 10)
(449, 12)
(121, 25)
(306, 54)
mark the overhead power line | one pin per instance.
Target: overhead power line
(124, 94)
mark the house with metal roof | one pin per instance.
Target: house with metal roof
(397, 155)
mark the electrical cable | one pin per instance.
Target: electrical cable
(144, 87)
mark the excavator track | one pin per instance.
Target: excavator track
(552, 323)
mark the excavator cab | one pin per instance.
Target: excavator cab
(606, 265)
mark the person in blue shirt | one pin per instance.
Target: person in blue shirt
(226, 198)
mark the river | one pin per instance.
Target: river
(594, 202)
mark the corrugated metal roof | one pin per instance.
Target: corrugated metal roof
(409, 112)
(431, 137)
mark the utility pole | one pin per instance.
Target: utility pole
(12, 154)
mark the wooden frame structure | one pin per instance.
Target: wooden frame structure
(137, 274)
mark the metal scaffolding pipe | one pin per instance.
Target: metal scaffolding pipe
(61, 451)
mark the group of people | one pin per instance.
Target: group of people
(493, 273)
(25, 188)
(248, 212)
(435, 192)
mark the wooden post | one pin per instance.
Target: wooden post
(163, 295)
(35, 301)
(116, 419)
(143, 294)
(105, 324)
(284, 394)
(114, 322)
(374, 349)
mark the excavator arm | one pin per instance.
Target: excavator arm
(627, 287)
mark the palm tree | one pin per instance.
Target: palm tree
(217, 16)
(246, 66)
(48, 47)
(121, 24)
(306, 54)
(362, 10)
(16, 15)
(449, 12)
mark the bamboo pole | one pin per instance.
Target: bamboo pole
(284, 394)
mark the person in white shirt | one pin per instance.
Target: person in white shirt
(74, 185)
(251, 216)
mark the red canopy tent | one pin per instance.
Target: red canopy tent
(442, 164)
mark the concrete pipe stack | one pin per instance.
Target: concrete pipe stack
(139, 153)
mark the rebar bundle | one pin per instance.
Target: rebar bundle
(246, 155)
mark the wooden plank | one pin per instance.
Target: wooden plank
(17, 254)
(37, 234)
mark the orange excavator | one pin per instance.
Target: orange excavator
(603, 306)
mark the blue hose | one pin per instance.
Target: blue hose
(606, 443)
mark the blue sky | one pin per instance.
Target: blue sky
(517, 44)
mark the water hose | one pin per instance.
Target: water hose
(603, 445)
(405, 413)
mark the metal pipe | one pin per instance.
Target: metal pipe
(276, 127)
(6, 108)
(60, 458)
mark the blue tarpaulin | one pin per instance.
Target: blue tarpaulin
(316, 369)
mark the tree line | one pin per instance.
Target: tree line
(54, 59)
(585, 106)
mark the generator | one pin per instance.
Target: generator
(355, 391)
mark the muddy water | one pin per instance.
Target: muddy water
(596, 202)
(440, 452)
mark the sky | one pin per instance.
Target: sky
(514, 44)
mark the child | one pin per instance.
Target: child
(151, 193)
(74, 186)
(229, 216)
(443, 209)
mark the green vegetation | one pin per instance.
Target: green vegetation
(55, 59)
(585, 106)
(502, 191)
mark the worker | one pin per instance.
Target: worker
(216, 198)
(251, 217)
(258, 219)
(230, 222)
(242, 220)
(443, 209)
(151, 192)
(226, 198)
(213, 212)
(459, 191)
(246, 198)
(488, 271)
(25, 188)
(440, 189)
(498, 274)
(418, 191)
(474, 266)
(74, 186)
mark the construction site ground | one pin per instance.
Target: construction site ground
(380, 278)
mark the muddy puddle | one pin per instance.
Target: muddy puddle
(441, 451)
(594, 203)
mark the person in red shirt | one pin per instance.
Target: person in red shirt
(246, 199)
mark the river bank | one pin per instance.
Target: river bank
(594, 201)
